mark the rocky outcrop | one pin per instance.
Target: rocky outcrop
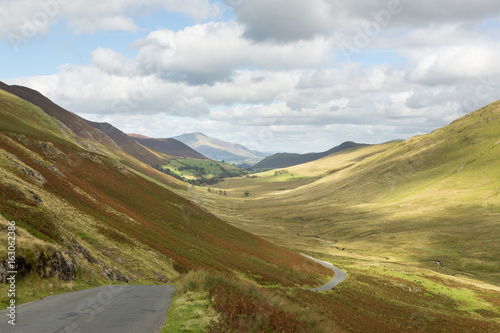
(3, 274)
(55, 265)
(110, 275)
(26, 170)
(58, 266)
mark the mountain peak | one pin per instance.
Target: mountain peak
(217, 149)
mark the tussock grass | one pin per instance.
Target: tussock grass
(234, 304)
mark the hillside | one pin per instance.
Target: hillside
(217, 149)
(76, 129)
(101, 220)
(283, 160)
(415, 224)
(87, 213)
(128, 144)
(169, 147)
(432, 198)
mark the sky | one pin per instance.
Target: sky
(273, 75)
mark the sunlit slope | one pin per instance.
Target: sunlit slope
(431, 198)
(463, 156)
(106, 216)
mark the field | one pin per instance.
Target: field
(196, 171)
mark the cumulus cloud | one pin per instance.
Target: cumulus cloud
(212, 52)
(286, 20)
(272, 74)
(450, 54)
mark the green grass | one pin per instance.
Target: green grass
(376, 297)
(33, 287)
(189, 312)
(398, 205)
(199, 170)
(433, 197)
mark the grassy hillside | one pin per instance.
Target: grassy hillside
(169, 147)
(420, 215)
(105, 221)
(128, 144)
(430, 198)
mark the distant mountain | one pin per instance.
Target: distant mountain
(282, 160)
(217, 149)
(170, 147)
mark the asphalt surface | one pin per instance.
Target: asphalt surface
(340, 275)
(107, 309)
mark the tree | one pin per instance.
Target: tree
(247, 193)
(225, 193)
(209, 190)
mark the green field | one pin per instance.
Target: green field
(198, 172)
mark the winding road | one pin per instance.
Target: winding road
(107, 309)
(340, 275)
(190, 191)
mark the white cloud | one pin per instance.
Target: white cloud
(268, 77)
(212, 52)
(286, 20)
(110, 61)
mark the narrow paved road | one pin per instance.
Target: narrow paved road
(107, 309)
(190, 191)
(340, 275)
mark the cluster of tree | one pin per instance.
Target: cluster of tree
(252, 176)
(200, 174)
(219, 192)
(197, 171)
(169, 172)
(205, 181)
(280, 172)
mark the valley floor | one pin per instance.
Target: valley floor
(396, 280)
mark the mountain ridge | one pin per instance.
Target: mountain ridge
(282, 160)
(217, 149)
(168, 146)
